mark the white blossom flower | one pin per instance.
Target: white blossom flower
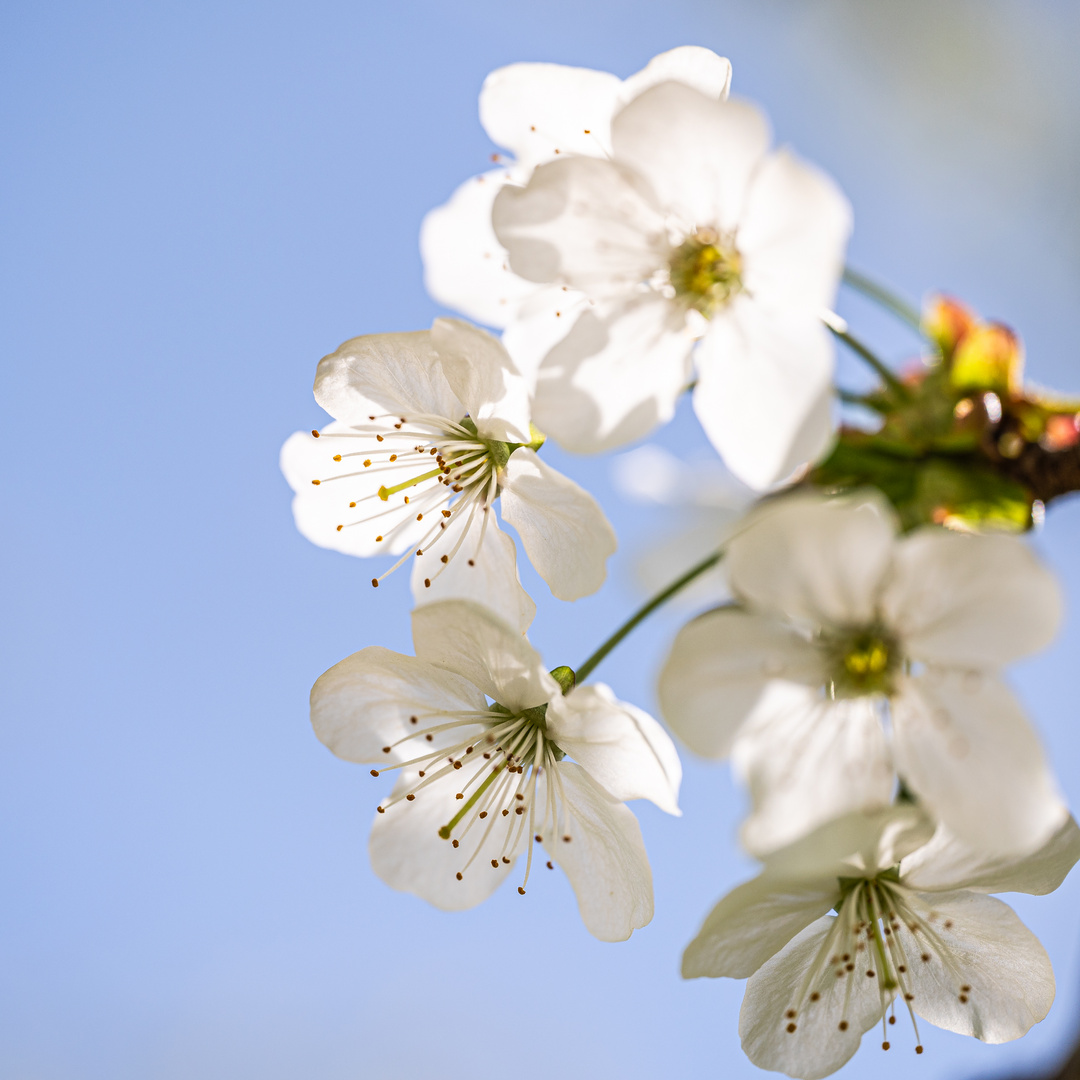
(911, 926)
(494, 754)
(843, 624)
(691, 230)
(537, 112)
(429, 428)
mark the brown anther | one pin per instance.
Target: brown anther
(909, 997)
(460, 795)
(505, 812)
(791, 1029)
(340, 527)
(374, 582)
(446, 513)
(393, 457)
(374, 772)
(963, 999)
(566, 839)
(790, 1014)
(843, 1025)
(455, 843)
(538, 838)
(495, 863)
(849, 967)
(519, 796)
(457, 764)
(421, 774)
(519, 810)
(410, 796)
(386, 749)
(483, 814)
(815, 996)
(314, 433)
(925, 958)
(419, 517)
(487, 757)
(382, 810)
(918, 1049)
(506, 860)
(430, 738)
(965, 989)
(378, 438)
(869, 974)
(445, 559)
(413, 720)
(316, 482)
(367, 462)
(550, 865)
(948, 924)
(901, 969)
(588, 131)
(472, 562)
(885, 1045)
(459, 875)
(337, 457)
(846, 957)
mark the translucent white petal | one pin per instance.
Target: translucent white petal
(807, 760)
(542, 321)
(615, 376)
(948, 863)
(718, 669)
(994, 961)
(621, 747)
(535, 109)
(754, 922)
(485, 380)
(818, 561)
(565, 533)
(347, 495)
(398, 373)
(604, 859)
(408, 854)
(764, 393)
(963, 744)
(483, 569)
(970, 601)
(367, 701)
(793, 235)
(465, 266)
(690, 64)
(468, 639)
(583, 222)
(817, 1046)
(698, 154)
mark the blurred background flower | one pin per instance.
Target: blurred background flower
(201, 200)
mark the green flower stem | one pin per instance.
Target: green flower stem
(879, 366)
(849, 397)
(887, 299)
(586, 669)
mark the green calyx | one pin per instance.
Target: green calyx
(705, 271)
(499, 452)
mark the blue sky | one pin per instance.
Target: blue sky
(202, 199)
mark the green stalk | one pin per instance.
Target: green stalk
(586, 669)
(879, 366)
(885, 297)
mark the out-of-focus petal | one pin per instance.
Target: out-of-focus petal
(692, 65)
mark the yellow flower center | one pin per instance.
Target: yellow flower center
(705, 271)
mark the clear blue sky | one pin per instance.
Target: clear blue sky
(199, 200)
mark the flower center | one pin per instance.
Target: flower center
(705, 271)
(881, 935)
(407, 478)
(863, 661)
(502, 758)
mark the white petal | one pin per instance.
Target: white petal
(948, 863)
(615, 376)
(562, 528)
(621, 747)
(468, 639)
(793, 235)
(583, 222)
(859, 844)
(366, 702)
(408, 854)
(385, 373)
(718, 670)
(815, 560)
(542, 321)
(465, 266)
(485, 380)
(817, 1046)
(690, 64)
(753, 923)
(991, 951)
(807, 760)
(963, 744)
(346, 496)
(764, 390)
(482, 569)
(604, 859)
(970, 601)
(536, 109)
(697, 153)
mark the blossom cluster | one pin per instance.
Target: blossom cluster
(638, 240)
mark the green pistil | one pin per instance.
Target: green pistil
(447, 829)
(386, 492)
(704, 272)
